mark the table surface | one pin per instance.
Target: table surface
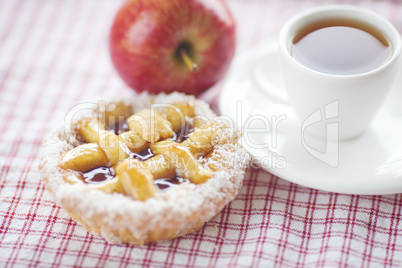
(53, 55)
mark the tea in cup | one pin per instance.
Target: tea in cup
(338, 64)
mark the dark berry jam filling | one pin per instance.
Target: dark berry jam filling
(182, 134)
(169, 182)
(102, 174)
(143, 155)
(97, 175)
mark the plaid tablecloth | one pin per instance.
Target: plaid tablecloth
(53, 54)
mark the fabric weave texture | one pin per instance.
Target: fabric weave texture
(54, 55)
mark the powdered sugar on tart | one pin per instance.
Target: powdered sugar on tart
(174, 209)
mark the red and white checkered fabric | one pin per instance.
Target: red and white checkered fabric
(53, 54)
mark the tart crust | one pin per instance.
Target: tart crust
(121, 219)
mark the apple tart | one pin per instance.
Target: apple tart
(135, 171)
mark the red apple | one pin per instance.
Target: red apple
(172, 45)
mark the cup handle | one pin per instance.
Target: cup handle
(267, 76)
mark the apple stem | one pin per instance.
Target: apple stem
(192, 66)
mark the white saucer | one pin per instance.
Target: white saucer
(253, 95)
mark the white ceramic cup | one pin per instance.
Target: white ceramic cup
(350, 101)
